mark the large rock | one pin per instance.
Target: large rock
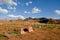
(26, 30)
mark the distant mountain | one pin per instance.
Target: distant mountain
(40, 20)
(45, 20)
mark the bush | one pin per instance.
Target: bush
(3, 35)
(16, 32)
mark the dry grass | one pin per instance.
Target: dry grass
(41, 32)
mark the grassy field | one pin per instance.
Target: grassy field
(9, 30)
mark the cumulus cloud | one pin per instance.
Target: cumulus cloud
(57, 11)
(17, 16)
(28, 3)
(8, 2)
(26, 12)
(3, 11)
(36, 10)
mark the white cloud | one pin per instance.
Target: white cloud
(26, 12)
(9, 7)
(17, 16)
(12, 8)
(57, 11)
(3, 11)
(8, 2)
(36, 10)
(28, 3)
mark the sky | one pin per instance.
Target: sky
(13, 9)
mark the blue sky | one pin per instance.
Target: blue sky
(29, 8)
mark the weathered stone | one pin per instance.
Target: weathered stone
(30, 29)
(22, 31)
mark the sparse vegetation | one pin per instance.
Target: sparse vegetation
(3, 35)
(41, 30)
(17, 32)
(47, 25)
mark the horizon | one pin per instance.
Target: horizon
(14, 9)
(28, 18)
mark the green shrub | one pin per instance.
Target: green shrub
(3, 35)
(36, 25)
(16, 32)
